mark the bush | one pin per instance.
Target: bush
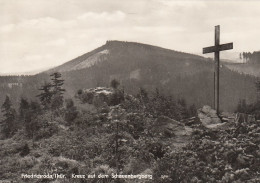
(117, 97)
(27, 162)
(25, 150)
(46, 131)
(71, 112)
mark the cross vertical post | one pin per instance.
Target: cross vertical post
(214, 85)
(216, 55)
(216, 49)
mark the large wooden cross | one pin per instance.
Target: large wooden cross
(216, 49)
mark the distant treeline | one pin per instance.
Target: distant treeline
(248, 57)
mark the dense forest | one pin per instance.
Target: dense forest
(138, 65)
(103, 134)
(251, 58)
(174, 73)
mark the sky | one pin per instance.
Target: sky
(39, 34)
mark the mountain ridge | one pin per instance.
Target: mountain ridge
(137, 65)
(112, 45)
(180, 74)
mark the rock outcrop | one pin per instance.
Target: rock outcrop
(101, 96)
(209, 117)
(96, 96)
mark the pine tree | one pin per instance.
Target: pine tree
(71, 111)
(35, 107)
(118, 94)
(183, 108)
(157, 93)
(57, 92)
(119, 133)
(143, 95)
(46, 95)
(57, 83)
(258, 85)
(258, 96)
(114, 84)
(242, 106)
(192, 110)
(24, 106)
(31, 125)
(8, 124)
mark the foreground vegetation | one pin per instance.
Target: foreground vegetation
(106, 131)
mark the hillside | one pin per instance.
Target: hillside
(119, 48)
(136, 65)
(138, 138)
(245, 68)
(175, 73)
(152, 134)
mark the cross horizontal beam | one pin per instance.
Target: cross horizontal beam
(227, 46)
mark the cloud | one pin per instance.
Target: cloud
(184, 4)
(104, 16)
(161, 29)
(64, 38)
(7, 28)
(40, 33)
(57, 42)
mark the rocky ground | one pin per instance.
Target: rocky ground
(204, 148)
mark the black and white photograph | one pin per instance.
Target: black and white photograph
(129, 91)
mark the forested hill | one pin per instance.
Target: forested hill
(250, 64)
(136, 65)
(251, 58)
(245, 68)
(139, 52)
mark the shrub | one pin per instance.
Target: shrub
(25, 150)
(27, 162)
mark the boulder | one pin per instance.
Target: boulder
(101, 96)
(209, 117)
(95, 95)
